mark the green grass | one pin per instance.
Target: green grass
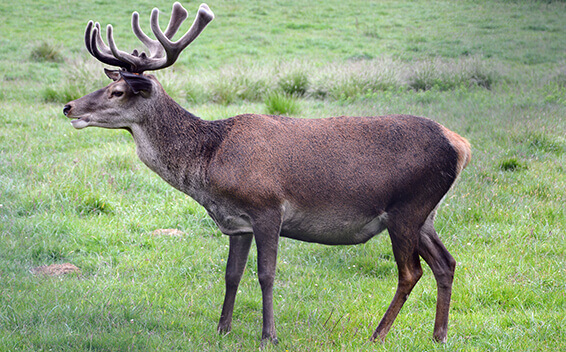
(281, 104)
(46, 52)
(493, 71)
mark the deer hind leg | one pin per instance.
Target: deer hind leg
(237, 258)
(443, 265)
(404, 241)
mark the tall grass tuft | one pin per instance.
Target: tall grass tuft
(425, 76)
(560, 78)
(512, 164)
(172, 81)
(46, 52)
(542, 142)
(449, 75)
(278, 103)
(294, 83)
(354, 79)
(478, 73)
(239, 82)
(222, 91)
(195, 92)
(94, 205)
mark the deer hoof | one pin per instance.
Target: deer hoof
(267, 340)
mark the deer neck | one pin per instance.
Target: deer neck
(175, 144)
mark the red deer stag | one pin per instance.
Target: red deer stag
(335, 181)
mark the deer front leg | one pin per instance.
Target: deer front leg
(237, 258)
(266, 235)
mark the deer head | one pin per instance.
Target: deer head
(118, 105)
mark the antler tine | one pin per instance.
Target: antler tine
(98, 42)
(173, 50)
(147, 41)
(155, 49)
(133, 61)
(88, 36)
(178, 16)
(93, 40)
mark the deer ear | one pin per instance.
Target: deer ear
(112, 74)
(138, 83)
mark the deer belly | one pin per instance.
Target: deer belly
(327, 227)
(331, 228)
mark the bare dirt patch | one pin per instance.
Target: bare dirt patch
(55, 269)
(168, 232)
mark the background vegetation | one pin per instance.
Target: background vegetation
(494, 71)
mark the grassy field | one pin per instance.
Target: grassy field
(494, 71)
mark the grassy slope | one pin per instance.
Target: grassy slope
(83, 197)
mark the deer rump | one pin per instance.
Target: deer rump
(334, 180)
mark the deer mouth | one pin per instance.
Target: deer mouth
(80, 122)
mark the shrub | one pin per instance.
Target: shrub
(348, 80)
(422, 77)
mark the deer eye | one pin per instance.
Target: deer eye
(116, 94)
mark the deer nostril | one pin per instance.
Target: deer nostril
(66, 109)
